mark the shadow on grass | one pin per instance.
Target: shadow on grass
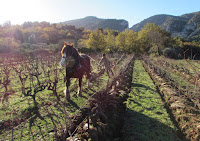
(36, 114)
(140, 127)
(72, 103)
(141, 85)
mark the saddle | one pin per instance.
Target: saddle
(72, 64)
(76, 63)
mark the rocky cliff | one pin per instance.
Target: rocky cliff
(94, 22)
(187, 25)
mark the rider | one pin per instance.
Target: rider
(104, 60)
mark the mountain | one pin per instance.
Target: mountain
(92, 23)
(187, 25)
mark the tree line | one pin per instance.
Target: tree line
(36, 35)
(150, 40)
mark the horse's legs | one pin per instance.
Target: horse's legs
(80, 87)
(67, 93)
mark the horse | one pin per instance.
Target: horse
(77, 65)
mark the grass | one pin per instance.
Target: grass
(180, 81)
(181, 63)
(46, 123)
(40, 125)
(145, 117)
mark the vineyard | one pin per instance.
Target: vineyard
(33, 105)
(147, 99)
(178, 85)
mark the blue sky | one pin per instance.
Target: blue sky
(134, 11)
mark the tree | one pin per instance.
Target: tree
(8, 44)
(31, 39)
(110, 40)
(44, 24)
(44, 38)
(7, 24)
(121, 41)
(153, 37)
(177, 42)
(27, 25)
(52, 33)
(131, 41)
(96, 40)
(19, 35)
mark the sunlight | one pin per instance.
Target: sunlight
(22, 10)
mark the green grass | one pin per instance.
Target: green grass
(179, 80)
(182, 63)
(40, 125)
(46, 124)
(146, 118)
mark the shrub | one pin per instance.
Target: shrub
(86, 50)
(8, 45)
(173, 53)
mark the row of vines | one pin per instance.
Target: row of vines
(33, 106)
(178, 84)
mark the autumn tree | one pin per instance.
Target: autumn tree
(96, 40)
(44, 38)
(110, 40)
(153, 38)
(8, 44)
(19, 35)
(121, 41)
(131, 42)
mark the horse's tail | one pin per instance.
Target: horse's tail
(87, 65)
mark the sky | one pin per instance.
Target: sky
(55, 11)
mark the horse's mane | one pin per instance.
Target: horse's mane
(65, 45)
(70, 47)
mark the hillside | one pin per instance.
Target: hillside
(92, 23)
(187, 25)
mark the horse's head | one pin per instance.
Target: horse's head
(68, 52)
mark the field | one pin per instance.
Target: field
(147, 99)
(146, 117)
(33, 105)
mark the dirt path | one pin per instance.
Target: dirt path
(145, 118)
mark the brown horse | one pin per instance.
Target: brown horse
(76, 65)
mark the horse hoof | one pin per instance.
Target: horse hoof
(79, 94)
(67, 97)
